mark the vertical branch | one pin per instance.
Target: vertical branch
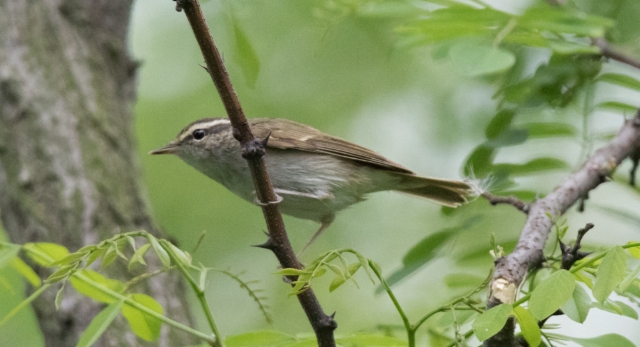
(253, 151)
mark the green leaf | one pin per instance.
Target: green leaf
(610, 273)
(568, 47)
(629, 279)
(83, 287)
(8, 252)
(534, 166)
(621, 80)
(68, 259)
(144, 325)
(342, 278)
(26, 271)
(23, 304)
(259, 339)
(634, 251)
(617, 307)
(617, 106)
(59, 294)
(563, 21)
(99, 324)
(162, 254)
(491, 321)
(476, 59)
(546, 130)
(245, 55)
(183, 257)
(479, 163)
(62, 273)
(510, 137)
(578, 306)
(45, 253)
(109, 257)
(551, 294)
(528, 326)
(138, 256)
(608, 340)
(499, 123)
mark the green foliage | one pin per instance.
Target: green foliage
(142, 323)
(578, 306)
(491, 321)
(528, 326)
(610, 273)
(551, 294)
(99, 324)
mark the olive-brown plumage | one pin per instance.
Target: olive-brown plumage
(317, 175)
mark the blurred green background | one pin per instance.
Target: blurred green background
(350, 76)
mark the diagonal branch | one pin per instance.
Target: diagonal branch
(510, 270)
(253, 151)
(608, 52)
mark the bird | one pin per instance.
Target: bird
(316, 175)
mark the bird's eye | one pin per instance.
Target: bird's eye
(198, 134)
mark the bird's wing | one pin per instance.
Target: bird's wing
(286, 134)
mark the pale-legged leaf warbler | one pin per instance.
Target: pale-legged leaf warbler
(317, 175)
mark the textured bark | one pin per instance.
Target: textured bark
(68, 169)
(511, 270)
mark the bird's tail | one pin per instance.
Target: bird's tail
(450, 193)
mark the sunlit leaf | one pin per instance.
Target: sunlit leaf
(89, 289)
(26, 271)
(634, 251)
(45, 253)
(610, 273)
(7, 253)
(341, 279)
(491, 321)
(143, 324)
(528, 326)
(370, 340)
(162, 254)
(551, 294)
(99, 324)
(138, 256)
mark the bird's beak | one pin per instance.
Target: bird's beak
(171, 148)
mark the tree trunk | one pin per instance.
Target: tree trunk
(68, 169)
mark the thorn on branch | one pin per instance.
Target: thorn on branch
(572, 254)
(267, 245)
(582, 204)
(510, 200)
(179, 5)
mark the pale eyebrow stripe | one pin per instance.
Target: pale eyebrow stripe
(205, 125)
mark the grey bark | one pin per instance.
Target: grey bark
(511, 270)
(68, 169)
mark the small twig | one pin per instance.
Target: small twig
(509, 200)
(511, 270)
(608, 52)
(572, 254)
(253, 151)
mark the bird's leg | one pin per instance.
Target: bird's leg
(325, 222)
